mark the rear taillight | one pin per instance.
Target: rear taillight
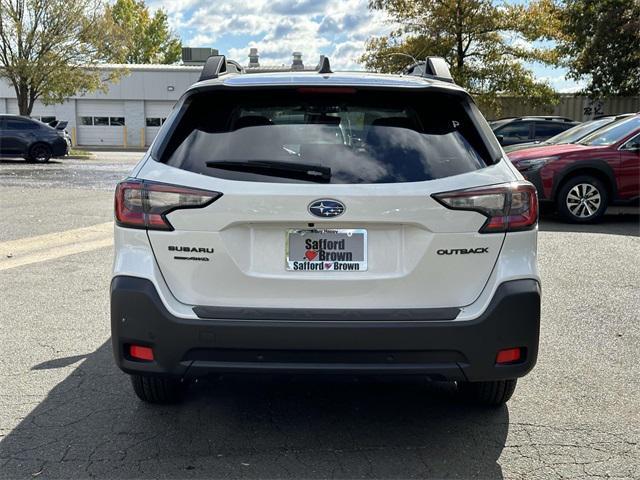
(142, 204)
(509, 208)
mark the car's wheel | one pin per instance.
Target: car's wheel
(582, 199)
(40, 153)
(158, 389)
(490, 394)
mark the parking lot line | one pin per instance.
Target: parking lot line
(25, 251)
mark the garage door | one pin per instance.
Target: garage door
(155, 114)
(12, 106)
(101, 122)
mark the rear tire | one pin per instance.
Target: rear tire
(158, 389)
(488, 394)
(40, 153)
(582, 199)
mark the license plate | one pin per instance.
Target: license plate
(335, 250)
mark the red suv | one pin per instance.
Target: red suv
(584, 178)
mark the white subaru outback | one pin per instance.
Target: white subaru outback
(319, 222)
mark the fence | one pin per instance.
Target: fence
(575, 107)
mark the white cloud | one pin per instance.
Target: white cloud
(337, 28)
(561, 84)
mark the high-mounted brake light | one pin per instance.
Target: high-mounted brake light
(335, 90)
(142, 204)
(509, 208)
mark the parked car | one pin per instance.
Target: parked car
(511, 131)
(573, 135)
(31, 139)
(325, 223)
(61, 126)
(584, 178)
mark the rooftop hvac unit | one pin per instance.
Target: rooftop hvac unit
(197, 56)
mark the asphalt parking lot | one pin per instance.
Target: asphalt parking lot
(67, 412)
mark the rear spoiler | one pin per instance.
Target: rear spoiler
(59, 124)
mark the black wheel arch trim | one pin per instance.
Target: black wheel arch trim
(576, 168)
(40, 143)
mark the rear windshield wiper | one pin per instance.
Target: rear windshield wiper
(298, 171)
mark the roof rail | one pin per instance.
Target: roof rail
(217, 65)
(324, 66)
(432, 67)
(234, 65)
(545, 117)
(537, 117)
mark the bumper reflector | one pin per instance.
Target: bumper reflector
(509, 355)
(141, 353)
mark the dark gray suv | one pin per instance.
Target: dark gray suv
(516, 130)
(33, 140)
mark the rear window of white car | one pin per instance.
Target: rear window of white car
(613, 133)
(326, 136)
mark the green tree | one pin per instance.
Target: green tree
(601, 42)
(148, 37)
(484, 44)
(49, 49)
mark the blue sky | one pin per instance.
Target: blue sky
(337, 28)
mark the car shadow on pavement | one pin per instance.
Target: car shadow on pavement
(91, 424)
(22, 161)
(12, 160)
(58, 362)
(628, 224)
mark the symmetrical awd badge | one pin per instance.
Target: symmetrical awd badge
(326, 208)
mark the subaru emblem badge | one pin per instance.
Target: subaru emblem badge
(326, 208)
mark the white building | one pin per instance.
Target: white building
(131, 111)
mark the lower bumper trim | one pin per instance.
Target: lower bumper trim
(327, 314)
(443, 371)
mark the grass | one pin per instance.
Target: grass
(74, 152)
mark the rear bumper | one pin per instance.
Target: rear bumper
(440, 349)
(59, 147)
